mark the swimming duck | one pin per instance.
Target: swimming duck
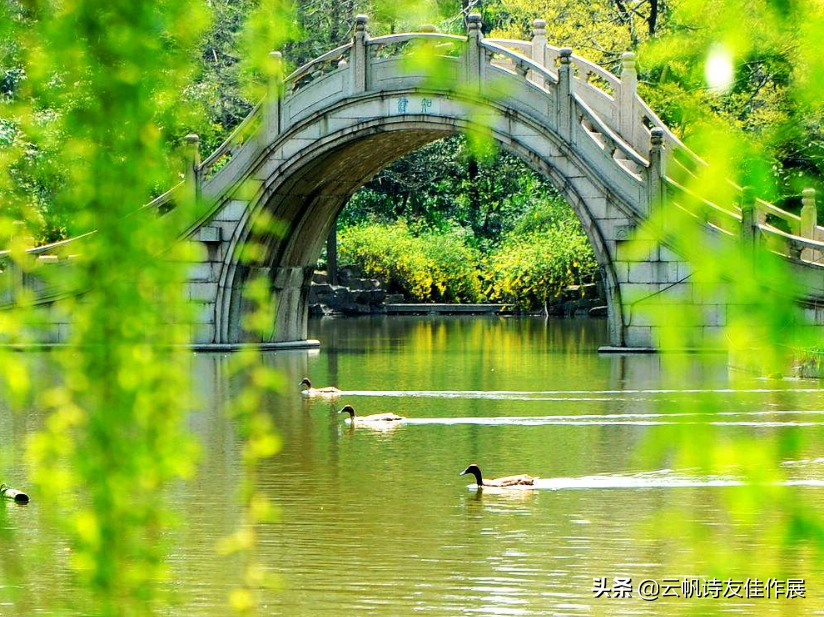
(507, 482)
(318, 392)
(12, 493)
(378, 420)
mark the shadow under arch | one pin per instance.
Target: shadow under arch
(308, 191)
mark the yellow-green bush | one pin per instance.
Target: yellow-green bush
(429, 266)
(529, 269)
(543, 253)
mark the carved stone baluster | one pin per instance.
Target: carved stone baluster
(626, 101)
(656, 172)
(474, 53)
(538, 49)
(749, 225)
(429, 46)
(565, 94)
(359, 57)
(760, 213)
(271, 109)
(191, 172)
(809, 223)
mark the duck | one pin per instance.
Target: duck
(522, 481)
(12, 493)
(378, 420)
(312, 392)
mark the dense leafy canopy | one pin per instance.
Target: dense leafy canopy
(446, 184)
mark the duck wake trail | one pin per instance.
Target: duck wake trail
(661, 479)
(771, 418)
(566, 395)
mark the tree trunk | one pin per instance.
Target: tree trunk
(652, 21)
(332, 254)
(625, 16)
(474, 215)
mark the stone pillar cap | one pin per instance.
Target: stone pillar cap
(628, 60)
(474, 18)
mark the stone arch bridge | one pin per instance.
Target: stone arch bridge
(327, 128)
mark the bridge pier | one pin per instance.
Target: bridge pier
(291, 290)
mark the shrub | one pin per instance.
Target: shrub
(531, 267)
(544, 252)
(424, 266)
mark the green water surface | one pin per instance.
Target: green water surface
(380, 523)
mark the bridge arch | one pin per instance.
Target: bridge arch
(328, 127)
(309, 189)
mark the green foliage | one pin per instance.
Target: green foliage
(600, 30)
(217, 88)
(545, 253)
(446, 184)
(102, 94)
(428, 266)
(90, 116)
(35, 170)
(769, 105)
(532, 243)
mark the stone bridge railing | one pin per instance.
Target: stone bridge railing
(607, 107)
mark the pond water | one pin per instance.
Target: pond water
(380, 523)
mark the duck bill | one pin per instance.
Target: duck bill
(463, 473)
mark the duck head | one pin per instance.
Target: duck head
(475, 471)
(306, 383)
(348, 409)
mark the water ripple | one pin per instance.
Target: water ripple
(664, 478)
(637, 419)
(565, 394)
